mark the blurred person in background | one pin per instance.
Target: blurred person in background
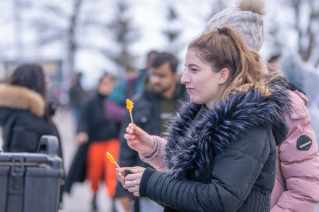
(306, 78)
(134, 83)
(25, 114)
(97, 134)
(152, 110)
(77, 97)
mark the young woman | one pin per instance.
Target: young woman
(25, 114)
(24, 110)
(221, 149)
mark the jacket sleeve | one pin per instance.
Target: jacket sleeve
(234, 173)
(300, 168)
(156, 157)
(83, 125)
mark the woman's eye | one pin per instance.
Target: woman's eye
(194, 70)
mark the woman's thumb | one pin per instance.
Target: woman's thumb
(138, 131)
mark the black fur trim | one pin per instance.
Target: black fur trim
(191, 144)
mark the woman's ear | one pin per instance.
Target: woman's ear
(224, 74)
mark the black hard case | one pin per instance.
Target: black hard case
(30, 182)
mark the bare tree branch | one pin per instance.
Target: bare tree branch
(307, 42)
(70, 30)
(124, 33)
(296, 7)
(310, 31)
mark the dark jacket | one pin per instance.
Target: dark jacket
(99, 127)
(146, 115)
(223, 159)
(94, 122)
(22, 119)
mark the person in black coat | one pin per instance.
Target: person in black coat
(159, 101)
(25, 115)
(221, 148)
(97, 134)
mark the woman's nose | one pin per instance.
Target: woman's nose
(185, 78)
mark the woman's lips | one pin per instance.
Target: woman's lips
(189, 89)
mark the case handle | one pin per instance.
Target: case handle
(49, 145)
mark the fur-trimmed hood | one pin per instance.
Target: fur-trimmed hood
(192, 143)
(17, 97)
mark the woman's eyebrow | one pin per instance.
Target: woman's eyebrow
(192, 65)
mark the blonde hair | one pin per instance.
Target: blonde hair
(224, 48)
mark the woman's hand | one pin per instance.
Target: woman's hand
(138, 139)
(82, 138)
(133, 181)
(120, 174)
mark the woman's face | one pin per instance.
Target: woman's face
(106, 86)
(202, 83)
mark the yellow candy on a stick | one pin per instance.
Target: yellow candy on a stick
(112, 159)
(129, 105)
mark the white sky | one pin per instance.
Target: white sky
(148, 15)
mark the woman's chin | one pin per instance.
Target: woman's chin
(196, 100)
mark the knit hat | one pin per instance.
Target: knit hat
(246, 18)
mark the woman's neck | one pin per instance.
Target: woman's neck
(211, 103)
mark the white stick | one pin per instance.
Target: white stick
(131, 117)
(117, 165)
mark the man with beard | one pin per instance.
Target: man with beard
(152, 110)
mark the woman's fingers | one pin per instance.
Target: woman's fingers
(122, 169)
(138, 131)
(137, 169)
(120, 178)
(129, 137)
(133, 129)
(132, 177)
(132, 144)
(129, 130)
(134, 189)
(128, 184)
(130, 140)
